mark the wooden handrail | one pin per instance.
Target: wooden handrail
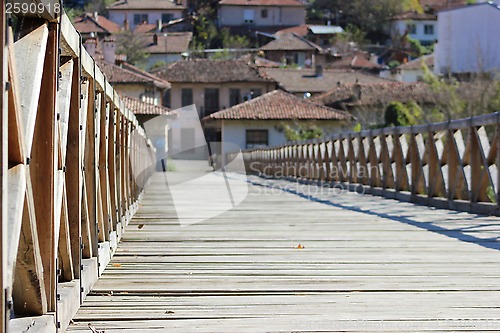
(70, 185)
(451, 164)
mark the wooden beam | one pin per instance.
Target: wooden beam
(70, 39)
(4, 312)
(64, 247)
(112, 158)
(86, 230)
(16, 146)
(103, 167)
(32, 48)
(43, 166)
(29, 292)
(64, 100)
(90, 167)
(74, 170)
(15, 192)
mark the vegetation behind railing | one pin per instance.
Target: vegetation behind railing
(450, 164)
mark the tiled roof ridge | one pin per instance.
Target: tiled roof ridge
(339, 114)
(149, 78)
(252, 68)
(142, 72)
(147, 108)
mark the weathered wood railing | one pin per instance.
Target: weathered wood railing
(449, 165)
(67, 184)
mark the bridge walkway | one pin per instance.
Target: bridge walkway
(298, 258)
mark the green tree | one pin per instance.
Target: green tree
(448, 103)
(132, 46)
(299, 132)
(98, 6)
(230, 41)
(351, 34)
(399, 114)
(417, 48)
(412, 5)
(73, 13)
(205, 32)
(369, 15)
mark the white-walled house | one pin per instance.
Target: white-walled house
(259, 122)
(261, 13)
(130, 13)
(411, 71)
(469, 41)
(422, 27)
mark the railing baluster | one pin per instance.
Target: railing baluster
(411, 161)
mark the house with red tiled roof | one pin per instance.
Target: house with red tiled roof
(290, 49)
(127, 79)
(411, 71)
(261, 122)
(167, 47)
(213, 85)
(359, 60)
(312, 82)
(182, 24)
(367, 102)
(130, 13)
(272, 15)
(319, 34)
(146, 109)
(95, 25)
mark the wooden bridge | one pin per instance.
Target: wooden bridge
(364, 232)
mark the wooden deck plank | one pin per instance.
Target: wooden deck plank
(367, 264)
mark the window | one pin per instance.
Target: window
(256, 92)
(234, 97)
(257, 138)
(187, 97)
(248, 15)
(166, 17)
(140, 18)
(263, 13)
(211, 100)
(411, 28)
(167, 99)
(148, 96)
(429, 29)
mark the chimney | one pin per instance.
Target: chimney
(319, 71)
(159, 25)
(96, 16)
(356, 89)
(90, 45)
(155, 39)
(109, 49)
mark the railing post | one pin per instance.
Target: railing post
(4, 312)
(43, 166)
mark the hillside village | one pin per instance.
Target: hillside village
(269, 71)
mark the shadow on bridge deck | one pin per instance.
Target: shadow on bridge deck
(483, 230)
(298, 258)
